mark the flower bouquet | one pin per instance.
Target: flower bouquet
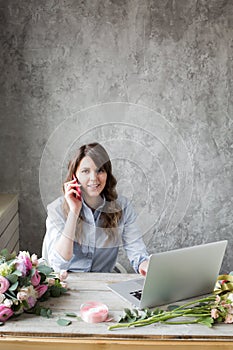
(24, 281)
(215, 308)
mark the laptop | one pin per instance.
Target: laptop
(174, 275)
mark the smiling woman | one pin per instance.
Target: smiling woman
(92, 180)
(87, 225)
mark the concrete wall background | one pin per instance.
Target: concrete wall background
(173, 57)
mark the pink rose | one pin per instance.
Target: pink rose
(5, 312)
(22, 295)
(23, 263)
(35, 280)
(214, 313)
(41, 289)
(51, 281)
(63, 275)
(229, 318)
(4, 284)
(64, 284)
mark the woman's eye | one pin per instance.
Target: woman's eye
(85, 171)
(100, 171)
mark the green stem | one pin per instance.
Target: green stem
(140, 323)
(181, 322)
(196, 315)
(210, 298)
(166, 315)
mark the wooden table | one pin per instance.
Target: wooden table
(34, 332)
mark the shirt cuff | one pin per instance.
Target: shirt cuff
(138, 262)
(58, 262)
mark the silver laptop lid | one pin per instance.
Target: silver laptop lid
(182, 273)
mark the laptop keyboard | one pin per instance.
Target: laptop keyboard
(137, 294)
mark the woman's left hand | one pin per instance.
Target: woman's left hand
(143, 267)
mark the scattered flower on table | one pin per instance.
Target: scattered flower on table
(215, 308)
(24, 281)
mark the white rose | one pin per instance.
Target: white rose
(2, 297)
(8, 302)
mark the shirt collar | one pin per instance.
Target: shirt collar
(98, 208)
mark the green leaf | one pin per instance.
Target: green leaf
(42, 277)
(71, 314)
(133, 315)
(156, 312)
(14, 286)
(45, 312)
(39, 311)
(4, 252)
(63, 322)
(12, 278)
(63, 290)
(135, 311)
(144, 315)
(7, 256)
(16, 307)
(24, 281)
(25, 304)
(44, 269)
(55, 291)
(172, 307)
(128, 312)
(33, 271)
(207, 321)
(10, 294)
(17, 273)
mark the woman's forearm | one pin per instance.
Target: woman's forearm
(65, 243)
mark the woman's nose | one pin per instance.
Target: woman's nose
(93, 175)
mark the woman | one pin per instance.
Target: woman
(86, 227)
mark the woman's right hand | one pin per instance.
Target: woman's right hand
(72, 196)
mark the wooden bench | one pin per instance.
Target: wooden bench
(9, 222)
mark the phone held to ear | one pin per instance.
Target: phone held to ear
(79, 195)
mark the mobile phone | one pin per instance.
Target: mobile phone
(77, 188)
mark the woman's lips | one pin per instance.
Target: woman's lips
(93, 187)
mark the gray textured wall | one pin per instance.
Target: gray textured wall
(167, 63)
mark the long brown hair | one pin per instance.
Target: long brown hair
(112, 212)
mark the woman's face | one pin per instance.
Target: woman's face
(92, 179)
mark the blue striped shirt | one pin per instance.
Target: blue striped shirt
(95, 253)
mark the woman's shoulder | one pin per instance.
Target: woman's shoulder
(124, 202)
(129, 214)
(56, 205)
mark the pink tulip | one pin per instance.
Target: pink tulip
(34, 259)
(41, 289)
(5, 312)
(4, 284)
(23, 263)
(35, 280)
(31, 302)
